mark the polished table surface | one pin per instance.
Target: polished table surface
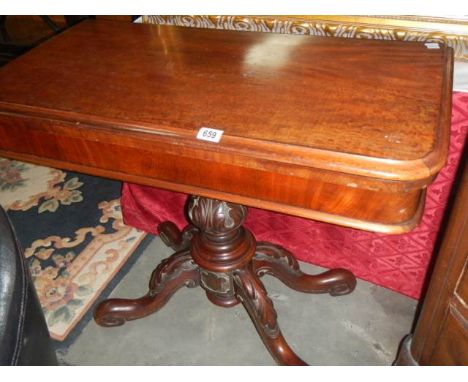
(340, 130)
(345, 131)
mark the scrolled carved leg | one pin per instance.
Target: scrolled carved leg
(175, 238)
(276, 261)
(171, 274)
(251, 292)
(217, 253)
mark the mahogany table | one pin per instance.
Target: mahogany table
(344, 131)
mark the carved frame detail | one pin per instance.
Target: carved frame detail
(453, 32)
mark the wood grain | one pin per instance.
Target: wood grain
(448, 31)
(441, 331)
(344, 131)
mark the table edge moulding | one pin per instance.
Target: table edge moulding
(348, 132)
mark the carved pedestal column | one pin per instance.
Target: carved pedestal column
(221, 246)
(218, 253)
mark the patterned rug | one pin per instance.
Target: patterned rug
(71, 229)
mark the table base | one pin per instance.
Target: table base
(217, 253)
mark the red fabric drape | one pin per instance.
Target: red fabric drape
(397, 262)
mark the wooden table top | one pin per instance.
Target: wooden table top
(363, 114)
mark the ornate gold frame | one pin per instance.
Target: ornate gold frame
(450, 31)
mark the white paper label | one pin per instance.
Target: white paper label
(209, 134)
(432, 45)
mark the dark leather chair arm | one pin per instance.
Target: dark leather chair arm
(24, 337)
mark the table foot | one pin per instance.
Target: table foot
(218, 254)
(274, 260)
(251, 292)
(172, 273)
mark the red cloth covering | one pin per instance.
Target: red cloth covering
(397, 262)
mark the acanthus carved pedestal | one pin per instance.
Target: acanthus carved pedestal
(360, 154)
(219, 254)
